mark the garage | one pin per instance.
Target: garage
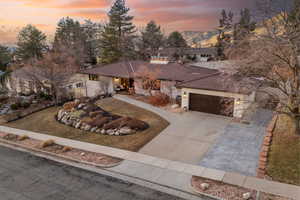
(211, 104)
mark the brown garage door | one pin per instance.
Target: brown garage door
(211, 104)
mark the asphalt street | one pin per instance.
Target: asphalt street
(27, 177)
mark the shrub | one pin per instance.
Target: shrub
(25, 105)
(137, 124)
(23, 137)
(45, 96)
(15, 106)
(118, 123)
(77, 113)
(99, 122)
(159, 100)
(91, 108)
(96, 113)
(66, 149)
(69, 106)
(87, 120)
(47, 143)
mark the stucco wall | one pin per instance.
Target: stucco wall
(241, 102)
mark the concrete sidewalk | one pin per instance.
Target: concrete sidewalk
(165, 172)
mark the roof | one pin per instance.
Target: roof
(186, 76)
(171, 71)
(223, 83)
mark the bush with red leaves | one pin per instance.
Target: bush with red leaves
(159, 100)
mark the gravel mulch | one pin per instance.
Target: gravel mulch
(68, 152)
(221, 190)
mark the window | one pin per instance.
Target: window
(79, 85)
(93, 77)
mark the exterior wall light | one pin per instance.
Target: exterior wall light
(184, 94)
(238, 101)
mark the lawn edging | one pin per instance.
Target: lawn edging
(14, 144)
(263, 156)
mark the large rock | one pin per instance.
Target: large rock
(103, 131)
(125, 131)
(78, 124)
(80, 106)
(93, 129)
(87, 127)
(110, 132)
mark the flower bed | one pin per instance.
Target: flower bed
(60, 151)
(85, 115)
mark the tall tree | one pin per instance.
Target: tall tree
(5, 57)
(71, 36)
(176, 40)
(31, 43)
(245, 25)
(117, 37)
(224, 38)
(152, 39)
(274, 57)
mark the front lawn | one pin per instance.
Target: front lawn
(44, 122)
(284, 157)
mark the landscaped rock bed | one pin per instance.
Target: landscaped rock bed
(84, 114)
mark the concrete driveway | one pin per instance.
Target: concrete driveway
(188, 138)
(238, 148)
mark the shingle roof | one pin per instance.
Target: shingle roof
(171, 71)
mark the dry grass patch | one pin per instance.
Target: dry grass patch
(47, 143)
(284, 156)
(48, 125)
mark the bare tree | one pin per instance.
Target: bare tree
(149, 78)
(53, 71)
(273, 56)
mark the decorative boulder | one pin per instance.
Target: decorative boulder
(204, 186)
(247, 195)
(125, 131)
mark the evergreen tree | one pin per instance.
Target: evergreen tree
(31, 43)
(176, 40)
(5, 57)
(224, 38)
(117, 37)
(152, 39)
(245, 26)
(70, 35)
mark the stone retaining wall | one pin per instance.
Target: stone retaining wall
(263, 156)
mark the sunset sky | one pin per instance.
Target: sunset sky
(194, 15)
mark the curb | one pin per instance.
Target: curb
(106, 170)
(13, 144)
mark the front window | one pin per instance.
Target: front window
(93, 77)
(79, 85)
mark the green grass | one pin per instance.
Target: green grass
(44, 122)
(284, 157)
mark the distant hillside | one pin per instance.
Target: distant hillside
(209, 39)
(200, 39)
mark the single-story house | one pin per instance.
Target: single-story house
(197, 54)
(200, 89)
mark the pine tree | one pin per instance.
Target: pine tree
(224, 38)
(152, 39)
(176, 40)
(245, 26)
(31, 43)
(117, 37)
(70, 35)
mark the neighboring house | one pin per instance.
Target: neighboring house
(200, 89)
(196, 54)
